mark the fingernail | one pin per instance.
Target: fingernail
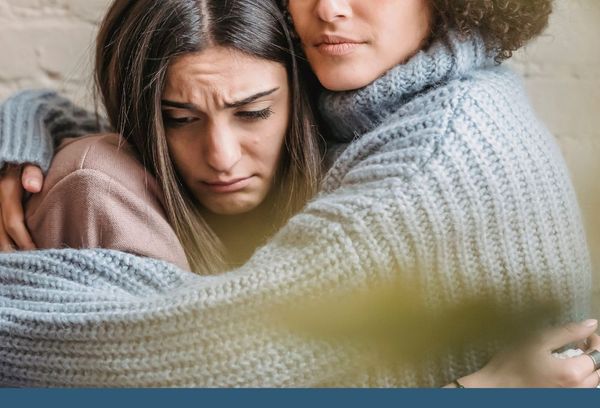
(590, 322)
(33, 183)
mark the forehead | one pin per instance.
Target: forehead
(222, 71)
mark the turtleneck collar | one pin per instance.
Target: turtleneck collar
(353, 113)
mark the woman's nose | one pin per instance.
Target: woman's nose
(333, 10)
(222, 150)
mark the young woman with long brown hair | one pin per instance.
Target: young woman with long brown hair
(217, 144)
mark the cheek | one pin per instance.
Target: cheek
(300, 15)
(181, 154)
(265, 147)
(403, 36)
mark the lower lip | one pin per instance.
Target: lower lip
(338, 50)
(228, 188)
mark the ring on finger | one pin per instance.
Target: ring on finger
(595, 356)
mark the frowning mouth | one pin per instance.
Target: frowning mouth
(227, 186)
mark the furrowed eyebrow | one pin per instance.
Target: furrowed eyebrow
(250, 99)
(228, 105)
(180, 105)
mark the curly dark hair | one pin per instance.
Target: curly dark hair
(505, 25)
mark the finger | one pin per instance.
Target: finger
(571, 333)
(593, 343)
(8, 178)
(583, 364)
(591, 381)
(16, 229)
(13, 218)
(6, 244)
(13, 222)
(9, 182)
(32, 178)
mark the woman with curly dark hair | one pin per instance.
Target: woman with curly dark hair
(440, 173)
(418, 99)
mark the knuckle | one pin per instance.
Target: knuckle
(6, 247)
(12, 227)
(570, 376)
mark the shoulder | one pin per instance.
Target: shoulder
(98, 195)
(92, 150)
(495, 95)
(497, 86)
(402, 145)
(491, 90)
(479, 111)
(495, 138)
(494, 112)
(108, 156)
(99, 167)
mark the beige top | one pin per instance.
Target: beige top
(97, 194)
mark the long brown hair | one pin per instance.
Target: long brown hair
(137, 41)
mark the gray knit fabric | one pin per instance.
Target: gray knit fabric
(32, 119)
(449, 177)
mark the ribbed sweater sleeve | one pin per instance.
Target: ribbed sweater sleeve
(32, 122)
(104, 318)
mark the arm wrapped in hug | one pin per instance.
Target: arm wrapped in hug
(32, 122)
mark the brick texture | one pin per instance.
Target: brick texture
(47, 43)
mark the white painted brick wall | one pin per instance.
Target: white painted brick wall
(562, 75)
(48, 42)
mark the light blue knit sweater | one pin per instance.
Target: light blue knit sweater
(32, 122)
(448, 175)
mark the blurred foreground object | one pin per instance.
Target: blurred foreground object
(394, 324)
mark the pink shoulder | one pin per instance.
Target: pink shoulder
(108, 154)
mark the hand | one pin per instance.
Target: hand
(14, 181)
(533, 365)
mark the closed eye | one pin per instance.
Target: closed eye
(172, 121)
(255, 115)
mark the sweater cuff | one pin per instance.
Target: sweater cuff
(32, 122)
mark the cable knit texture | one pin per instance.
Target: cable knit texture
(31, 119)
(449, 176)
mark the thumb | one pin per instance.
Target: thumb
(32, 178)
(571, 333)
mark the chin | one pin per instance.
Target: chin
(230, 207)
(339, 80)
